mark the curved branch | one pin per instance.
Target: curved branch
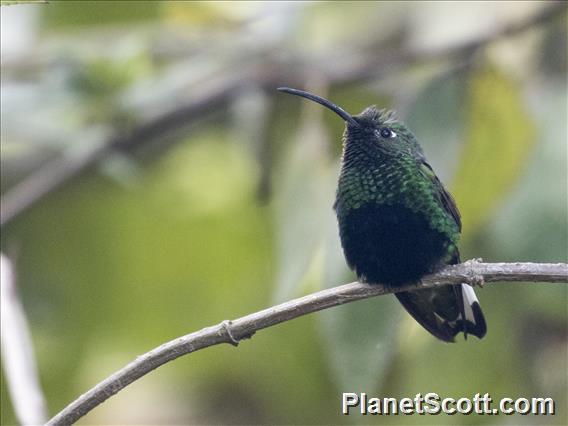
(231, 332)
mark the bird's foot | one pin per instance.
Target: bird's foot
(474, 278)
(226, 325)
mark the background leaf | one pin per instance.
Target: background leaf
(499, 135)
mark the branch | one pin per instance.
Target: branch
(267, 73)
(242, 328)
(58, 171)
(16, 2)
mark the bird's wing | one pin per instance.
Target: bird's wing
(440, 321)
(444, 197)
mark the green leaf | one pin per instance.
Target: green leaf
(192, 15)
(77, 14)
(437, 119)
(499, 136)
(304, 200)
(360, 342)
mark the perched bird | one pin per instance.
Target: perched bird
(396, 220)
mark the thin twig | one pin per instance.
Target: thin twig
(232, 332)
(18, 360)
(268, 73)
(16, 2)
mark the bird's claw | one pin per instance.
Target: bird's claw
(475, 279)
(227, 327)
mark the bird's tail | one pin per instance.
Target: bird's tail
(446, 311)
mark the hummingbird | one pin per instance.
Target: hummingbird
(397, 222)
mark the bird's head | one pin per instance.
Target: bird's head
(374, 132)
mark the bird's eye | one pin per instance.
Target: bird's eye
(386, 133)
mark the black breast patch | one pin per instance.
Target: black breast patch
(390, 244)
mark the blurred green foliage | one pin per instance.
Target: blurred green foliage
(80, 14)
(149, 247)
(500, 134)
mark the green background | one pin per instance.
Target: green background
(232, 213)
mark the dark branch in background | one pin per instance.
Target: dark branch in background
(233, 331)
(56, 172)
(364, 64)
(389, 62)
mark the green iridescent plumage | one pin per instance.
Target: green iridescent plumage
(394, 173)
(401, 180)
(396, 220)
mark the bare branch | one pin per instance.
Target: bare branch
(232, 331)
(267, 72)
(18, 360)
(16, 2)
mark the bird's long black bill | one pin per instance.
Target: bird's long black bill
(322, 101)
